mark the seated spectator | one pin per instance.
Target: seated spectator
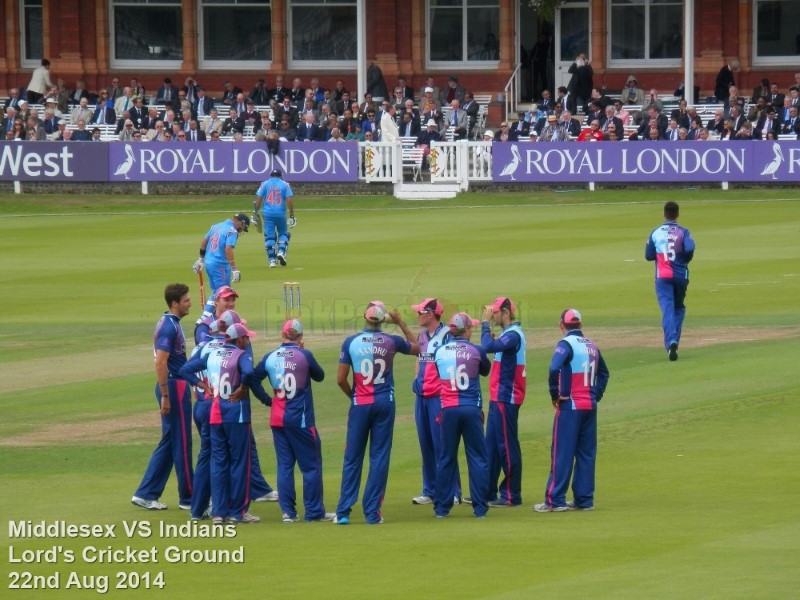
(324, 114)
(458, 121)
(58, 134)
(681, 114)
(327, 104)
(792, 125)
(398, 98)
(610, 118)
(81, 134)
(370, 123)
(591, 133)
(775, 98)
(215, 136)
(194, 133)
(621, 113)
(654, 135)
(124, 102)
(734, 100)
(51, 121)
(326, 128)
(472, 108)
(157, 133)
(229, 124)
(727, 132)
(429, 83)
(408, 91)
(285, 131)
(452, 92)
(519, 129)
(78, 93)
(126, 135)
(736, 117)
(546, 102)
(683, 134)
(571, 126)
(409, 127)
(772, 135)
(339, 91)
(703, 135)
(229, 93)
(745, 131)
(190, 91)
(250, 116)
(761, 91)
(695, 126)
(428, 103)
(317, 92)
(595, 112)
(552, 131)
(288, 109)
(717, 123)
(167, 137)
(632, 94)
(213, 122)
(355, 133)
(298, 92)
(672, 130)
(259, 94)
(103, 115)
(336, 135)
(96, 135)
(82, 112)
(308, 130)
(347, 123)
(167, 92)
(180, 136)
(343, 103)
(202, 104)
(277, 94)
(612, 134)
(601, 98)
(428, 135)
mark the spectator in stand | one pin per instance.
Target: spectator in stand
(167, 92)
(80, 92)
(703, 135)
(428, 135)
(756, 111)
(652, 98)
(318, 93)
(82, 112)
(138, 113)
(611, 134)
(595, 112)
(772, 136)
(229, 93)
(581, 83)
(285, 131)
(472, 108)
(370, 123)
(194, 134)
(277, 93)
(355, 133)
(761, 90)
(34, 124)
(40, 82)
(203, 104)
(673, 131)
(339, 90)
(51, 120)
(347, 124)
(23, 110)
(654, 119)
(794, 96)
(408, 91)
(519, 130)
(552, 132)
(727, 132)
(546, 103)
(81, 134)
(136, 89)
(680, 92)
(114, 90)
(213, 122)
(327, 100)
(632, 94)
(343, 103)
(735, 99)
(458, 121)
(298, 92)
(250, 116)
(681, 114)
(792, 125)
(428, 103)
(103, 115)
(592, 133)
(453, 91)
(725, 80)
(775, 98)
(653, 135)
(695, 125)
(736, 118)
(156, 131)
(562, 98)
(124, 102)
(13, 100)
(308, 131)
(309, 107)
(190, 88)
(17, 131)
(324, 114)
(259, 94)
(409, 127)
(96, 135)
(717, 123)
(610, 118)
(601, 98)
(621, 113)
(398, 98)
(745, 131)
(429, 83)
(126, 135)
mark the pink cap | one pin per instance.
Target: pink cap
(375, 313)
(292, 329)
(460, 321)
(228, 318)
(502, 302)
(571, 317)
(238, 330)
(377, 303)
(225, 291)
(429, 305)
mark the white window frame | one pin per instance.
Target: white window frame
(227, 65)
(314, 65)
(649, 63)
(461, 65)
(778, 61)
(27, 62)
(145, 64)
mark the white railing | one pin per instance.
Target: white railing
(512, 91)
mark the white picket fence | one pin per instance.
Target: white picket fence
(448, 162)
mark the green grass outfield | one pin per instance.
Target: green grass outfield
(697, 479)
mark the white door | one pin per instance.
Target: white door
(573, 36)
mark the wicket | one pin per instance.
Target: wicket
(291, 299)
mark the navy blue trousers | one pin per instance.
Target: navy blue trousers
(502, 444)
(671, 294)
(574, 445)
(427, 413)
(300, 445)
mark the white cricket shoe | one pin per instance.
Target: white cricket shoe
(271, 497)
(422, 500)
(148, 504)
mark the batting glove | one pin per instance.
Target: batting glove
(236, 276)
(198, 265)
(292, 221)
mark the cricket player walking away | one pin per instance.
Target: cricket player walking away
(274, 197)
(173, 395)
(672, 248)
(217, 254)
(578, 379)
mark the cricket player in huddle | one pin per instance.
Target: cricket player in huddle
(507, 383)
(290, 369)
(427, 388)
(578, 379)
(274, 196)
(217, 254)
(370, 354)
(173, 395)
(209, 334)
(672, 248)
(460, 365)
(230, 419)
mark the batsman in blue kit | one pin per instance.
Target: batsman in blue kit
(273, 197)
(507, 385)
(672, 248)
(370, 354)
(173, 395)
(290, 369)
(460, 365)
(578, 379)
(217, 254)
(227, 368)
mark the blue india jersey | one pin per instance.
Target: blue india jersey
(274, 191)
(219, 237)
